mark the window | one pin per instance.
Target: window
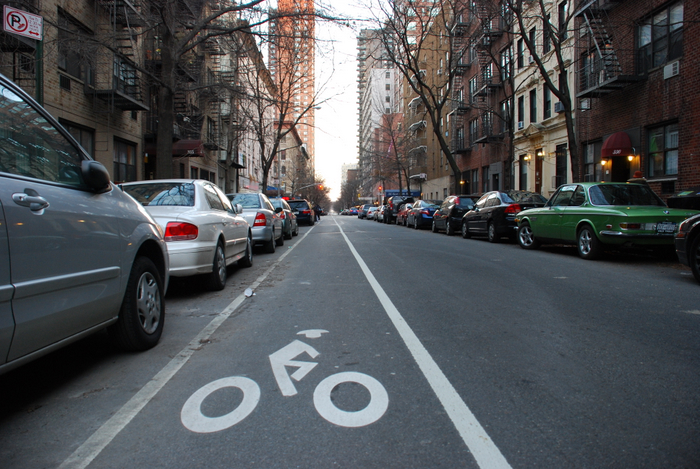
(533, 36)
(473, 130)
(521, 108)
(388, 75)
(563, 10)
(505, 63)
(387, 99)
(72, 50)
(475, 179)
(547, 101)
(546, 39)
(561, 165)
(660, 37)
(388, 86)
(84, 136)
(521, 54)
(194, 172)
(663, 151)
(485, 178)
(533, 106)
(124, 161)
(212, 197)
(592, 170)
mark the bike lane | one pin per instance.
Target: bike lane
(366, 395)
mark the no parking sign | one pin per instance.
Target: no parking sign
(22, 23)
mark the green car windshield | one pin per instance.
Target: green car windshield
(623, 194)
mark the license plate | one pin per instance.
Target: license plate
(665, 227)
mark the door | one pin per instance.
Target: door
(7, 324)
(65, 241)
(549, 219)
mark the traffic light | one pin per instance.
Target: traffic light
(320, 187)
(380, 188)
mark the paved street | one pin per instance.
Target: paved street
(372, 345)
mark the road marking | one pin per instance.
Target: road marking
(194, 420)
(485, 451)
(104, 435)
(378, 400)
(284, 357)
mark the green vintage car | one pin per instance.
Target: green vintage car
(595, 215)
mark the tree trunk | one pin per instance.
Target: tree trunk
(164, 144)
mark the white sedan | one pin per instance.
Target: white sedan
(204, 233)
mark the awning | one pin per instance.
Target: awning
(618, 144)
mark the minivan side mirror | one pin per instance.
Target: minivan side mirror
(95, 175)
(238, 208)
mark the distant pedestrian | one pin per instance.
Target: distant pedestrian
(317, 212)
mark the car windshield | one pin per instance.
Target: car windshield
(246, 200)
(300, 205)
(519, 197)
(179, 194)
(277, 203)
(623, 194)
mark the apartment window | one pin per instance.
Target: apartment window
(561, 165)
(71, 49)
(472, 88)
(84, 136)
(387, 99)
(592, 170)
(485, 179)
(388, 75)
(387, 87)
(521, 109)
(473, 130)
(563, 10)
(194, 173)
(475, 179)
(660, 37)
(547, 102)
(124, 161)
(546, 39)
(663, 151)
(521, 53)
(505, 115)
(533, 106)
(506, 63)
(533, 36)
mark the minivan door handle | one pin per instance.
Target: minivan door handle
(30, 199)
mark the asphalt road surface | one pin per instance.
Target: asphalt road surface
(372, 345)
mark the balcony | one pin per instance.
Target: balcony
(123, 12)
(598, 77)
(122, 88)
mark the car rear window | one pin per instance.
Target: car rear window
(298, 205)
(624, 194)
(246, 200)
(465, 202)
(179, 194)
(522, 197)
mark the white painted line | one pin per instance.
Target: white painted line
(485, 451)
(104, 435)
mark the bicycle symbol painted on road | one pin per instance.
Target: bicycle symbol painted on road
(194, 420)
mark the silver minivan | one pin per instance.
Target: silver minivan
(76, 254)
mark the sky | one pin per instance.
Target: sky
(336, 84)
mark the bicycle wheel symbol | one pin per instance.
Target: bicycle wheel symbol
(378, 402)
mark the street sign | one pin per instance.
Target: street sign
(22, 23)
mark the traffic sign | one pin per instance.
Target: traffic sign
(22, 23)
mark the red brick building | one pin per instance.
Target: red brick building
(639, 91)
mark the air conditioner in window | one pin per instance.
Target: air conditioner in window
(531, 60)
(520, 125)
(672, 69)
(559, 107)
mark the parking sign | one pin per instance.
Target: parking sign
(22, 23)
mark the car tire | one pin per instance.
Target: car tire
(492, 235)
(449, 231)
(415, 223)
(280, 241)
(247, 259)
(270, 245)
(526, 239)
(140, 322)
(289, 234)
(694, 258)
(587, 243)
(216, 280)
(466, 234)
(311, 222)
(296, 231)
(434, 228)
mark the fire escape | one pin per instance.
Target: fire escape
(117, 80)
(462, 62)
(601, 71)
(488, 83)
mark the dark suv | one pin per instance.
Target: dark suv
(449, 216)
(303, 210)
(392, 206)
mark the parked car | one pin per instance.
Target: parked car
(77, 255)
(687, 240)
(203, 232)
(403, 212)
(392, 206)
(448, 217)
(371, 213)
(303, 210)
(290, 224)
(421, 213)
(494, 213)
(596, 215)
(352, 211)
(362, 213)
(264, 220)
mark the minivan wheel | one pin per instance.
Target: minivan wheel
(448, 228)
(526, 239)
(465, 231)
(218, 275)
(142, 314)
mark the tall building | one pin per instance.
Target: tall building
(292, 65)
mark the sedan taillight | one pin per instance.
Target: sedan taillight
(260, 219)
(513, 209)
(178, 231)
